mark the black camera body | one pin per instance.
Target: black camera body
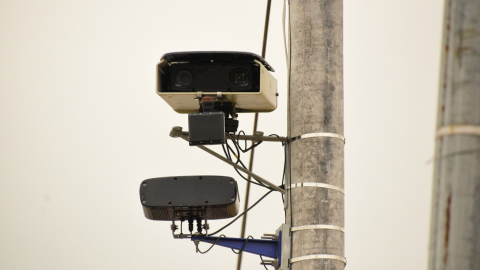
(240, 78)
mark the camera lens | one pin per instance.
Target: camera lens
(184, 78)
(239, 77)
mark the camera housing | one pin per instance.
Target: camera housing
(241, 78)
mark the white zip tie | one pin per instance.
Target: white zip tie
(320, 134)
(320, 185)
(319, 256)
(318, 226)
(458, 130)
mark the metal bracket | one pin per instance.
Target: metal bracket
(275, 246)
(458, 130)
(319, 257)
(318, 134)
(181, 235)
(267, 248)
(285, 242)
(314, 184)
(258, 137)
(177, 132)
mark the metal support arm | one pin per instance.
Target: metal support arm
(255, 138)
(267, 248)
(177, 132)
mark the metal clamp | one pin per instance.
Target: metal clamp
(320, 185)
(319, 257)
(319, 134)
(458, 130)
(319, 227)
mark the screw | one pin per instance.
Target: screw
(144, 185)
(144, 202)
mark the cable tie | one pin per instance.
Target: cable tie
(319, 227)
(458, 130)
(319, 257)
(320, 185)
(319, 134)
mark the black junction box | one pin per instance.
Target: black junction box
(206, 128)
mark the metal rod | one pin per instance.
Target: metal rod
(251, 138)
(248, 172)
(255, 122)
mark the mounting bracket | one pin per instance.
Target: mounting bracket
(275, 246)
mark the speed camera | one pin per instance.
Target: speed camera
(241, 79)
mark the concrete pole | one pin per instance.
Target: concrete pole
(455, 227)
(316, 209)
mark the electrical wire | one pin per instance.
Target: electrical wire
(243, 213)
(284, 164)
(289, 149)
(244, 244)
(203, 252)
(263, 263)
(237, 155)
(196, 242)
(239, 161)
(284, 38)
(246, 149)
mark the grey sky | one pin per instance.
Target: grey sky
(81, 127)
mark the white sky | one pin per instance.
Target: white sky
(81, 127)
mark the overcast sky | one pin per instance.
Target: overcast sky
(81, 126)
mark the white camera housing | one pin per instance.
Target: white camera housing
(242, 78)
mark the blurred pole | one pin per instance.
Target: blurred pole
(455, 223)
(316, 207)
(252, 152)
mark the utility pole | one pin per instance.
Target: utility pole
(315, 201)
(455, 224)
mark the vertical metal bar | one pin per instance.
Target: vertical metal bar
(252, 152)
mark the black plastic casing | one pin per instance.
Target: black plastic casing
(211, 71)
(206, 128)
(182, 197)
